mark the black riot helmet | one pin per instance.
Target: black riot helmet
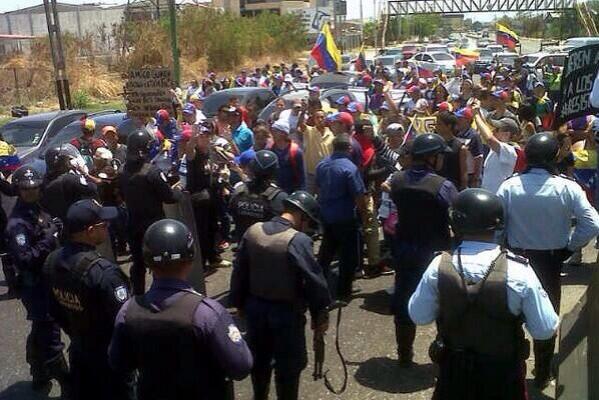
(476, 211)
(541, 150)
(139, 143)
(27, 178)
(264, 165)
(305, 202)
(429, 144)
(58, 158)
(166, 242)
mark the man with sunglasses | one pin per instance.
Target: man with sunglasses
(86, 292)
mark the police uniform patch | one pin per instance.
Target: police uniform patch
(121, 293)
(21, 239)
(163, 177)
(234, 334)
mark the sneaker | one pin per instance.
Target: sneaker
(221, 264)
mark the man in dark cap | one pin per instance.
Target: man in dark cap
(184, 345)
(86, 292)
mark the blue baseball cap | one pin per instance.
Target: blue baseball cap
(85, 213)
(189, 108)
(245, 158)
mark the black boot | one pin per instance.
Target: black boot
(405, 336)
(58, 369)
(261, 383)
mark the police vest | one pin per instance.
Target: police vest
(250, 207)
(271, 275)
(421, 218)
(77, 316)
(476, 317)
(168, 353)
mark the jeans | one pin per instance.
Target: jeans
(342, 239)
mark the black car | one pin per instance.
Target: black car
(32, 133)
(254, 99)
(120, 120)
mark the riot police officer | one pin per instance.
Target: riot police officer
(145, 188)
(422, 199)
(539, 207)
(31, 236)
(65, 181)
(275, 278)
(86, 293)
(184, 345)
(479, 296)
(259, 199)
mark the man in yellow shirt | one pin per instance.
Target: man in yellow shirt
(318, 144)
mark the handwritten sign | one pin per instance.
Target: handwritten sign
(146, 91)
(423, 124)
(579, 87)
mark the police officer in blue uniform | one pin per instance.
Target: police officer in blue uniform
(145, 188)
(275, 278)
(479, 295)
(86, 293)
(64, 184)
(259, 199)
(184, 345)
(31, 236)
(422, 199)
(539, 207)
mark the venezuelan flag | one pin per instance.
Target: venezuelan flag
(360, 61)
(325, 51)
(465, 56)
(506, 37)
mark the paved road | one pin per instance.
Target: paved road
(367, 340)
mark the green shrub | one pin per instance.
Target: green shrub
(81, 99)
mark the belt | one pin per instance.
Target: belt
(523, 251)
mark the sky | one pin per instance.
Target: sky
(353, 7)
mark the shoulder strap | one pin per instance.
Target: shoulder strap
(189, 299)
(271, 192)
(85, 261)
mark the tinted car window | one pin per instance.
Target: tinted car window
(24, 134)
(215, 100)
(443, 57)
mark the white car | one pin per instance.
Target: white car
(433, 60)
(436, 48)
(576, 42)
(505, 58)
(495, 48)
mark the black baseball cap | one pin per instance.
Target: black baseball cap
(85, 213)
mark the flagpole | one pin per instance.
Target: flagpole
(361, 20)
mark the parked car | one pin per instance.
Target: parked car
(485, 58)
(388, 62)
(535, 61)
(495, 48)
(346, 61)
(506, 59)
(576, 42)
(435, 48)
(252, 98)
(393, 51)
(124, 125)
(327, 97)
(432, 61)
(32, 133)
(335, 79)
(408, 50)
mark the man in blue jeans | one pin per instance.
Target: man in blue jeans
(340, 191)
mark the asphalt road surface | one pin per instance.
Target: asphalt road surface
(367, 340)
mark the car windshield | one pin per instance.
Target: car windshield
(530, 59)
(507, 58)
(217, 99)
(393, 52)
(24, 134)
(386, 60)
(442, 57)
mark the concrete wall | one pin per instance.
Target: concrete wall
(79, 23)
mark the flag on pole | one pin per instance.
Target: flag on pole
(424, 73)
(325, 51)
(506, 37)
(360, 61)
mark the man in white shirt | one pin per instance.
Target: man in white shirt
(501, 160)
(198, 101)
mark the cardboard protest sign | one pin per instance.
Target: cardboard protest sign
(147, 90)
(580, 84)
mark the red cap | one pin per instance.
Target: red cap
(344, 117)
(444, 106)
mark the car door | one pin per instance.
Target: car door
(428, 62)
(416, 60)
(57, 125)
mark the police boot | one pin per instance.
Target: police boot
(58, 369)
(405, 336)
(287, 389)
(261, 384)
(41, 381)
(11, 278)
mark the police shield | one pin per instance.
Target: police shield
(183, 211)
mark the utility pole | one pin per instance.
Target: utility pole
(62, 82)
(173, 23)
